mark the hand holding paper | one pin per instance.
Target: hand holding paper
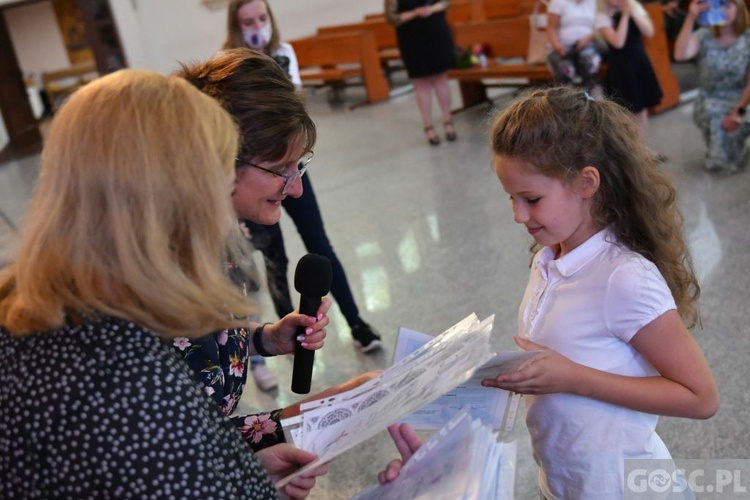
(336, 424)
(496, 408)
(546, 373)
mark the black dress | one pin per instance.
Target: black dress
(630, 79)
(426, 43)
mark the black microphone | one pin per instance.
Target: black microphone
(312, 279)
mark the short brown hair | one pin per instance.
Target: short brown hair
(255, 90)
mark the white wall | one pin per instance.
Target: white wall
(36, 38)
(157, 34)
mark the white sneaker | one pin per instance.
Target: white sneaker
(264, 378)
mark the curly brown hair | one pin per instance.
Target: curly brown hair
(561, 130)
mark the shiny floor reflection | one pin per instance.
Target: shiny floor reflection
(426, 236)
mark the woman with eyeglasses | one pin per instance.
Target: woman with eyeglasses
(277, 136)
(251, 24)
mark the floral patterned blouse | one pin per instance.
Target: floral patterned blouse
(722, 71)
(221, 361)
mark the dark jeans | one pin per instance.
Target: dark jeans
(305, 213)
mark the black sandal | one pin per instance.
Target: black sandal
(432, 137)
(450, 134)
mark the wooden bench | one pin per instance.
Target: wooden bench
(385, 38)
(337, 58)
(508, 38)
(59, 84)
(462, 11)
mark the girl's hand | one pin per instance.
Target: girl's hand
(696, 7)
(279, 338)
(625, 7)
(547, 373)
(583, 42)
(280, 460)
(407, 442)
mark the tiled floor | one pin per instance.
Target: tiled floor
(426, 236)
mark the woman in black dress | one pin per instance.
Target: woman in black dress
(630, 78)
(426, 45)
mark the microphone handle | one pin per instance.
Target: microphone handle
(304, 358)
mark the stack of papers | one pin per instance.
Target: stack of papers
(333, 425)
(463, 460)
(494, 407)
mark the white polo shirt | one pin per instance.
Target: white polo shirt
(587, 306)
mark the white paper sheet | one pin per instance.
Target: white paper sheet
(489, 405)
(343, 421)
(461, 460)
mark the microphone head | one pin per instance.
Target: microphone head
(313, 276)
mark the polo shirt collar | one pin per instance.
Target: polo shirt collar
(574, 261)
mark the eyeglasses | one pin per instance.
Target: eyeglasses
(289, 178)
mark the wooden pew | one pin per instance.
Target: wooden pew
(385, 37)
(505, 38)
(337, 58)
(509, 38)
(59, 84)
(494, 9)
(657, 49)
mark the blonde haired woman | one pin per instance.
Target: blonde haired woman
(120, 254)
(723, 56)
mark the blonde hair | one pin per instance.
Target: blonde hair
(560, 131)
(132, 213)
(235, 39)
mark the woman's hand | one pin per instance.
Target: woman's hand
(407, 442)
(294, 410)
(279, 338)
(547, 373)
(283, 459)
(424, 11)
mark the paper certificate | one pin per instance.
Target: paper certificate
(491, 406)
(334, 425)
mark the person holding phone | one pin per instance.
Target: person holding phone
(723, 57)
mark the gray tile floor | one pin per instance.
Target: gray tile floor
(426, 236)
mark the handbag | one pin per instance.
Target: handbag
(538, 46)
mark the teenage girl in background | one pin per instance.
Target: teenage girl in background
(610, 293)
(630, 78)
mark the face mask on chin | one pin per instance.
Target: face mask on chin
(258, 39)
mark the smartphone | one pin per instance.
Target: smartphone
(716, 15)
